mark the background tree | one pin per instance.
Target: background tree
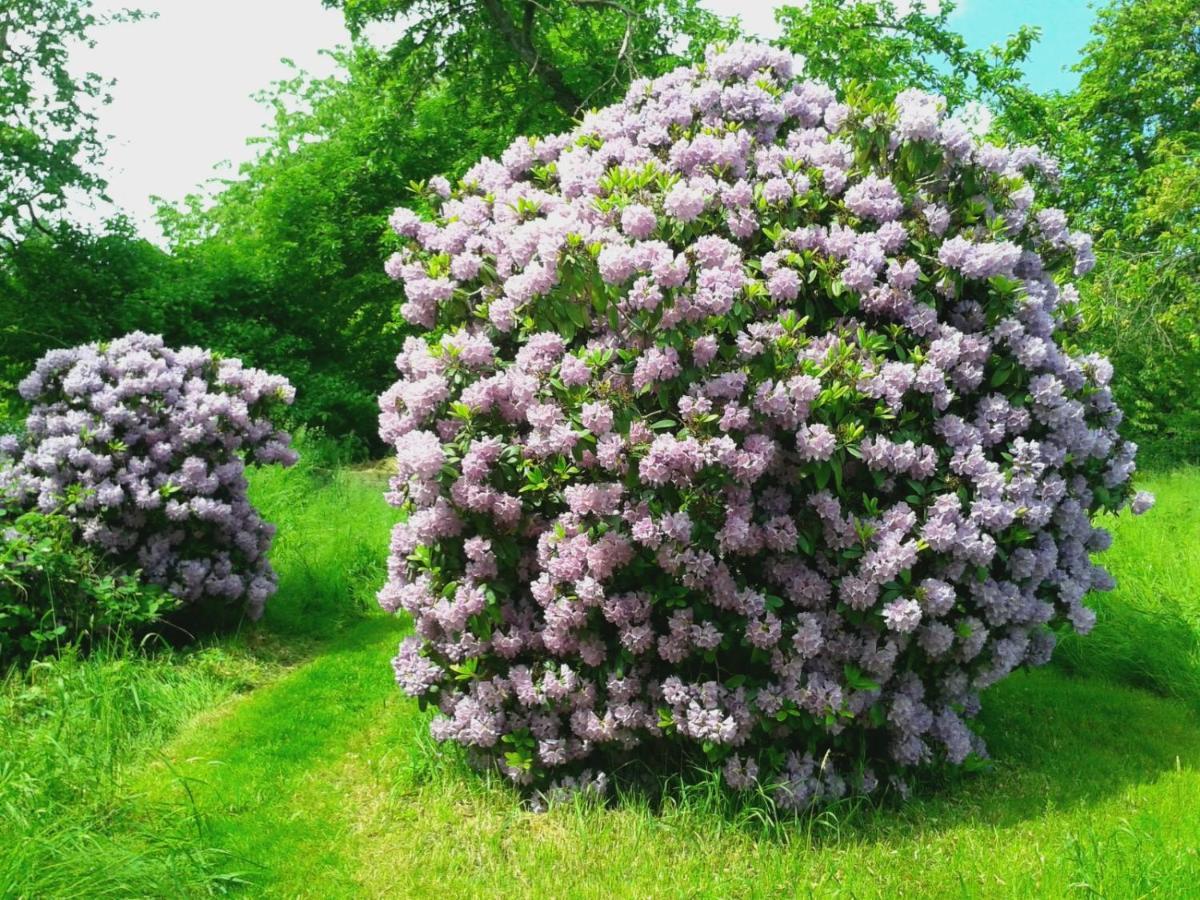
(1129, 141)
(1142, 307)
(58, 283)
(1130, 145)
(49, 145)
(1139, 86)
(564, 56)
(67, 286)
(285, 266)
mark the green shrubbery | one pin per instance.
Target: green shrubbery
(55, 590)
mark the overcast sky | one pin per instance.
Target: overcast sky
(183, 99)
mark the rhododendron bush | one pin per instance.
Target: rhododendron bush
(144, 449)
(747, 420)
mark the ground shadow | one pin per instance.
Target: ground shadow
(1057, 743)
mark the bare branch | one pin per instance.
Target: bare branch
(622, 57)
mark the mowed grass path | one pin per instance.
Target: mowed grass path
(1095, 791)
(284, 762)
(323, 783)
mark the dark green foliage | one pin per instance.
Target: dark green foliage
(534, 63)
(68, 286)
(55, 590)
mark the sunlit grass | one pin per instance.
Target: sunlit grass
(361, 803)
(71, 729)
(77, 731)
(331, 545)
(282, 760)
(1148, 629)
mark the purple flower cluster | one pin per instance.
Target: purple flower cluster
(145, 448)
(743, 421)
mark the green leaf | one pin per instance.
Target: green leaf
(857, 680)
(822, 475)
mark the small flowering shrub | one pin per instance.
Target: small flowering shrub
(746, 420)
(144, 449)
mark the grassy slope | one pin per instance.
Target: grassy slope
(286, 759)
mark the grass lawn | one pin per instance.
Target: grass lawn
(282, 761)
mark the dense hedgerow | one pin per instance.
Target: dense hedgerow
(144, 449)
(746, 420)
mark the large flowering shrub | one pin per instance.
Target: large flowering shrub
(144, 449)
(745, 420)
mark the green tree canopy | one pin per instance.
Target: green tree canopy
(64, 286)
(49, 145)
(285, 265)
(1142, 305)
(567, 55)
(1139, 85)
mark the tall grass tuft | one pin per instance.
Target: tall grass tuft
(77, 728)
(71, 727)
(330, 549)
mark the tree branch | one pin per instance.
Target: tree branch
(527, 26)
(626, 41)
(34, 220)
(5, 25)
(522, 44)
